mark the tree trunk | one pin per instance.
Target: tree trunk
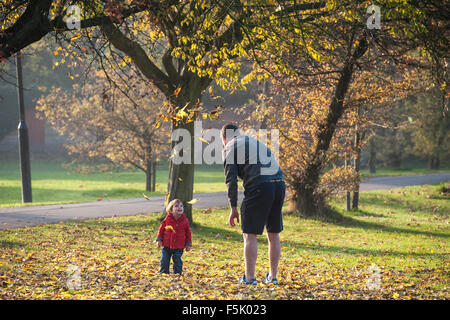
(359, 137)
(148, 177)
(434, 162)
(154, 176)
(181, 176)
(372, 155)
(307, 201)
(348, 198)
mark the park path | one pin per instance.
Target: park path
(19, 217)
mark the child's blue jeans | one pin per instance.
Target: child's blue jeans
(175, 254)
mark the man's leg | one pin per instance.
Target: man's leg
(274, 253)
(250, 254)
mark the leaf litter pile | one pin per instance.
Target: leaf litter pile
(383, 251)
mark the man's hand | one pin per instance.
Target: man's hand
(188, 248)
(233, 215)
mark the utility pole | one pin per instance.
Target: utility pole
(24, 145)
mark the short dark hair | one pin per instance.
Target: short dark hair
(229, 130)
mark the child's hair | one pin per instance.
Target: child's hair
(172, 203)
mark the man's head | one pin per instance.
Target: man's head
(228, 132)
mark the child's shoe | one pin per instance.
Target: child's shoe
(243, 280)
(267, 281)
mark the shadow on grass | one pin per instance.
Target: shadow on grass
(152, 223)
(11, 244)
(363, 252)
(349, 222)
(395, 202)
(332, 216)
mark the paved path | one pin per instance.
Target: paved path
(31, 216)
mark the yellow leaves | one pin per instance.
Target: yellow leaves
(177, 91)
(192, 201)
(395, 295)
(146, 198)
(203, 140)
(167, 199)
(169, 228)
(214, 115)
(76, 36)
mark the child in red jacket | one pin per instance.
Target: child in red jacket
(174, 235)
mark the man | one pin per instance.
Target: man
(264, 191)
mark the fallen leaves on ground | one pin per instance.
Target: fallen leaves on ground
(373, 255)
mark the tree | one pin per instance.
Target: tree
(325, 59)
(430, 126)
(102, 123)
(180, 46)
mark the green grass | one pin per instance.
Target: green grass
(52, 184)
(402, 234)
(403, 171)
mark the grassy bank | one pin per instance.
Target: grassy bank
(395, 247)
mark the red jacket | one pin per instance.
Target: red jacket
(175, 234)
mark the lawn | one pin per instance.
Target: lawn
(404, 170)
(395, 247)
(52, 183)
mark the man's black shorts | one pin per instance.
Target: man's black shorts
(262, 207)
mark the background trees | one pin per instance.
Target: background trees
(430, 127)
(340, 65)
(102, 123)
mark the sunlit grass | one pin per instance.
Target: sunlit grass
(52, 183)
(402, 234)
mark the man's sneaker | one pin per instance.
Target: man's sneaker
(244, 280)
(273, 280)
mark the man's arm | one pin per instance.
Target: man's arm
(231, 173)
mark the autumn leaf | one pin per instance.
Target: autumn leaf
(192, 201)
(99, 199)
(180, 179)
(158, 124)
(78, 35)
(170, 228)
(146, 198)
(203, 140)
(177, 91)
(167, 199)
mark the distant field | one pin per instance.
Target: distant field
(51, 183)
